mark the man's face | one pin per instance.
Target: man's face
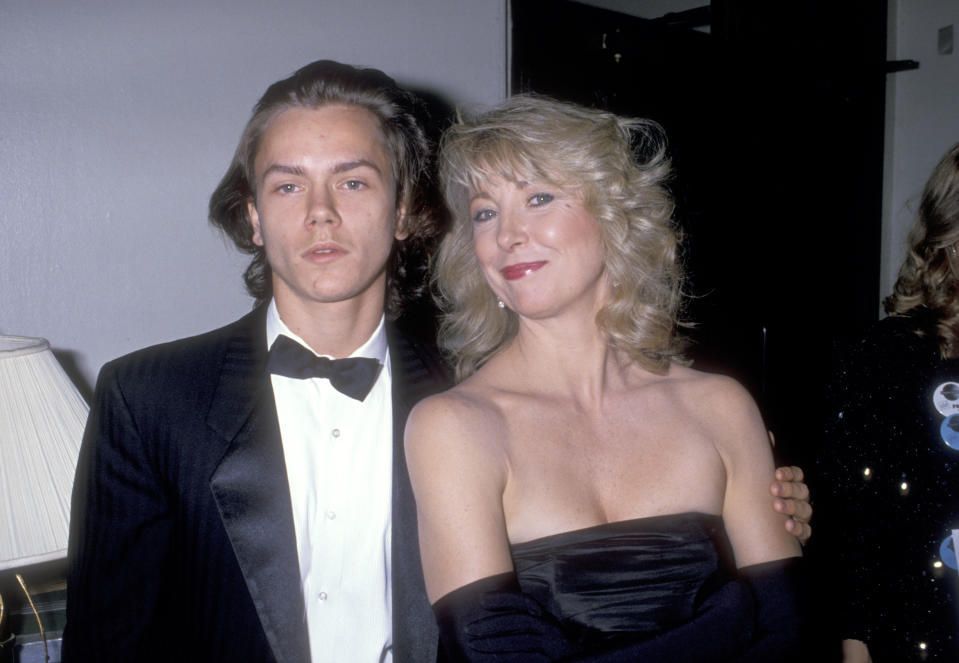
(325, 210)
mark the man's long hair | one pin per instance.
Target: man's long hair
(320, 84)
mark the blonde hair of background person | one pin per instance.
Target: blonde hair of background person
(929, 276)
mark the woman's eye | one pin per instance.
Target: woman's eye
(286, 188)
(483, 215)
(540, 199)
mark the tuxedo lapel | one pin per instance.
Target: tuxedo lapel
(251, 491)
(416, 373)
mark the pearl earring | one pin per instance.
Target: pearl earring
(499, 302)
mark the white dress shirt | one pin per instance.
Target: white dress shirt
(339, 460)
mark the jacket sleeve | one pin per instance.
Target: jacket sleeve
(119, 539)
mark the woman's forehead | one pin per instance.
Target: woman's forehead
(486, 174)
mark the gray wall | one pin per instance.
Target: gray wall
(118, 118)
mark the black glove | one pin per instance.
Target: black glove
(779, 590)
(492, 620)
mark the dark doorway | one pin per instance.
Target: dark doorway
(775, 121)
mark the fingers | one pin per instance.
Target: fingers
(789, 473)
(793, 501)
(788, 483)
(800, 510)
(789, 490)
(800, 513)
(800, 530)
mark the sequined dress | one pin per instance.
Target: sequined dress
(889, 479)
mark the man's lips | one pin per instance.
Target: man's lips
(323, 252)
(520, 269)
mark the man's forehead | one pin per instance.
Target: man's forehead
(340, 137)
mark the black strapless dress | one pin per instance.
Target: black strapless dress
(651, 590)
(632, 578)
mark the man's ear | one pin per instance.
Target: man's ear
(402, 223)
(254, 222)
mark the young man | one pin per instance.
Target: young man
(231, 504)
(222, 513)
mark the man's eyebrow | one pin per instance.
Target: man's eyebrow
(282, 169)
(342, 167)
(352, 165)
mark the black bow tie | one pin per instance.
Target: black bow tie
(353, 376)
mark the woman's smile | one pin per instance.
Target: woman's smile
(521, 269)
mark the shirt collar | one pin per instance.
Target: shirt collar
(375, 346)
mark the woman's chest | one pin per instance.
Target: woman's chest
(566, 474)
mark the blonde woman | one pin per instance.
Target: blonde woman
(582, 493)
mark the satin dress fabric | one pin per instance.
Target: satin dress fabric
(629, 578)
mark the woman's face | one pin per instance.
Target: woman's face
(540, 249)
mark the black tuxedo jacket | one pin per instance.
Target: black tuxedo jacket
(182, 543)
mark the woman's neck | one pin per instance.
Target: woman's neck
(575, 362)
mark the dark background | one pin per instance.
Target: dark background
(775, 121)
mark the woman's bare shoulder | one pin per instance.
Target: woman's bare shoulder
(464, 420)
(461, 406)
(705, 390)
(717, 402)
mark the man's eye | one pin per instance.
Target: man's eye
(483, 215)
(353, 185)
(286, 188)
(540, 199)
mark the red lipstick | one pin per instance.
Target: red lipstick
(521, 269)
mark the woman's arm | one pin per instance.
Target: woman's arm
(755, 529)
(458, 470)
(766, 554)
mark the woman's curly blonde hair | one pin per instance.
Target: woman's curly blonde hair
(929, 277)
(621, 168)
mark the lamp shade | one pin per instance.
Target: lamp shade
(42, 416)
